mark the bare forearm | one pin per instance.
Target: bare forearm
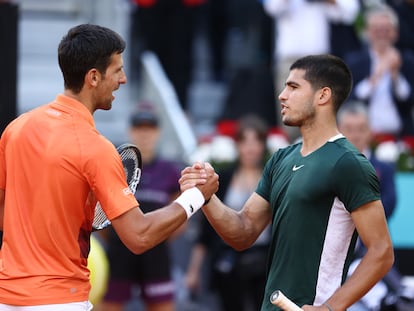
(229, 224)
(141, 232)
(164, 224)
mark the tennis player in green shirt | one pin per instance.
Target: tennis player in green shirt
(319, 195)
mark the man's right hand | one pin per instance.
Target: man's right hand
(202, 176)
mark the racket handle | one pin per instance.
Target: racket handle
(280, 300)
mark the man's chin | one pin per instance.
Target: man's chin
(105, 107)
(288, 123)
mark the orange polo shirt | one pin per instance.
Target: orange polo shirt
(54, 166)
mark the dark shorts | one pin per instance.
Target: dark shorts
(149, 272)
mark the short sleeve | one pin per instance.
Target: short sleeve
(105, 173)
(264, 186)
(355, 181)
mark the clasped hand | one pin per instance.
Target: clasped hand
(202, 176)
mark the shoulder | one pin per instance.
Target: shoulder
(283, 152)
(347, 159)
(354, 179)
(102, 144)
(347, 152)
(32, 116)
(281, 160)
(97, 148)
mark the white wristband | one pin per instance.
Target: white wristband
(191, 201)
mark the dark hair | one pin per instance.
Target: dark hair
(84, 47)
(327, 71)
(255, 123)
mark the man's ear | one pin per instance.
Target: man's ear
(324, 95)
(93, 77)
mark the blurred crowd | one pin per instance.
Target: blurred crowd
(252, 43)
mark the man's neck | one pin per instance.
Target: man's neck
(314, 139)
(80, 98)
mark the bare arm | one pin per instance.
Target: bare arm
(372, 228)
(239, 229)
(140, 232)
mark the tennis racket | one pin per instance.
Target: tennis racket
(132, 162)
(280, 300)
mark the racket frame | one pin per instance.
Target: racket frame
(133, 184)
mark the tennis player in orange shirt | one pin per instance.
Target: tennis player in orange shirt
(55, 166)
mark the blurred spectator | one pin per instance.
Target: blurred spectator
(167, 28)
(249, 85)
(251, 33)
(240, 35)
(217, 26)
(344, 37)
(302, 28)
(384, 76)
(149, 272)
(249, 73)
(237, 277)
(353, 122)
(405, 11)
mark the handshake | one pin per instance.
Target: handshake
(198, 183)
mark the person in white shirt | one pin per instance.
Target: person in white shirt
(384, 76)
(302, 27)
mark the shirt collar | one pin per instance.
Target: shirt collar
(74, 106)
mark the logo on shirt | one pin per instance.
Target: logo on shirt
(127, 191)
(53, 112)
(295, 168)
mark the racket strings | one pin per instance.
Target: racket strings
(100, 220)
(132, 163)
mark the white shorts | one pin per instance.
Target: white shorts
(72, 306)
